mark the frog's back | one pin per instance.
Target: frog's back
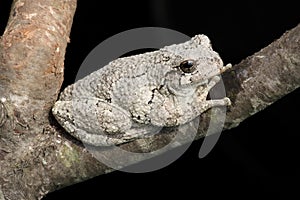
(99, 83)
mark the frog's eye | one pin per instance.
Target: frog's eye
(187, 66)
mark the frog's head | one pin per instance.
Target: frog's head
(197, 64)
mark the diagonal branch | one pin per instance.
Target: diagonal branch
(37, 156)
(264, 77)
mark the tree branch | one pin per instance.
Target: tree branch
(37, 156)
(264, 77)
(32, 51)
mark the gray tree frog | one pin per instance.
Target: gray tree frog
(133, 97)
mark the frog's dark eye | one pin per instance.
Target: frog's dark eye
(187, 66)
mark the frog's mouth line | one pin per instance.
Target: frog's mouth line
(195, 81)
(184, 89)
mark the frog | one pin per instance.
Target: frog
(136, 96)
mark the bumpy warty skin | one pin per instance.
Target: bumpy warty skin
(135, 96)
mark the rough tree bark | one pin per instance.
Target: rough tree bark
(37, 156)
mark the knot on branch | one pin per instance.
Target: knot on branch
(3, 112)
(5, 115)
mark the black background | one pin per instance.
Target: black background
(257, 159)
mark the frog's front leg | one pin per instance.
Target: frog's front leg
(201, 102)
(178, 110)
(202, 91)
(93, 121)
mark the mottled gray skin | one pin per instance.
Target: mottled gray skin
(136, 96)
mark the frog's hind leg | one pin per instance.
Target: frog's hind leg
(93, 121)
(141, 132)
